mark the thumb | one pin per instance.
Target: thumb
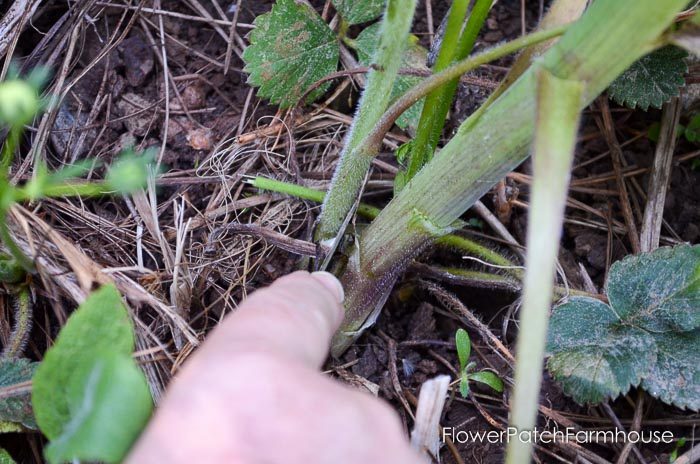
(293, 318)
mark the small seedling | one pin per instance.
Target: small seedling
(466, 367)
(89, 396)
(676, 449)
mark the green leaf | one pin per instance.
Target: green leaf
(110, 404)
(592, 355)
(648, 335)
(652, 80)
(488, 378)
(464, 386)
(5, 457)
(658, 291)
(290, 49)
(82, 363)
(676, 378)
(464, 348)
(414, 57)
(359, 11)
(17, 408)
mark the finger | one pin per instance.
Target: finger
(293, 318)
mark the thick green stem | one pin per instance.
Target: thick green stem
(438, 103)
(351, 170)
(610, 36)
(353, 167)
(372, 143)
(557, 121)
(561, 12)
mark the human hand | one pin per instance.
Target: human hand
(253, 392)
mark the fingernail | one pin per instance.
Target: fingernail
(331, 283)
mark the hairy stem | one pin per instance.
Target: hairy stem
(372, 143)
(557, 121)
(23, 325)
(610, 36)
(351, 170)
(561, 12)
(355, 163)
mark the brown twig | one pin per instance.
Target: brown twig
(660, 174)
(608, 129)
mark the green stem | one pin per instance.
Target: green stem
(438, 103)
(561, 12)
(610, 36)
(475, 249)
(557, 121)
(12, 247)
(454, 274)
(343, 27)
(355, 163)
(8, 151)
(306, 193)
(69, 189)
(351, 170)
(373, 141)
(23, 325)
(463, 244)
(448, 53)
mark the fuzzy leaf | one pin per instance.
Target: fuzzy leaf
(414, 57)
(88, 357)
(290, 49)
(593, 356)
(17, 408)
(652, 80)
(648, 335)
(110, 404)
(658, 291)
(676, 378)
(359, 11)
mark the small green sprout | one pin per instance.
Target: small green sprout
(674, 454)
(464, 347)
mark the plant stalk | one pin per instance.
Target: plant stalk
(451, 241)
(448, 53)
(354, 165)
(610, 36)
(351, 170)
(438, 103)
(557, 122)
